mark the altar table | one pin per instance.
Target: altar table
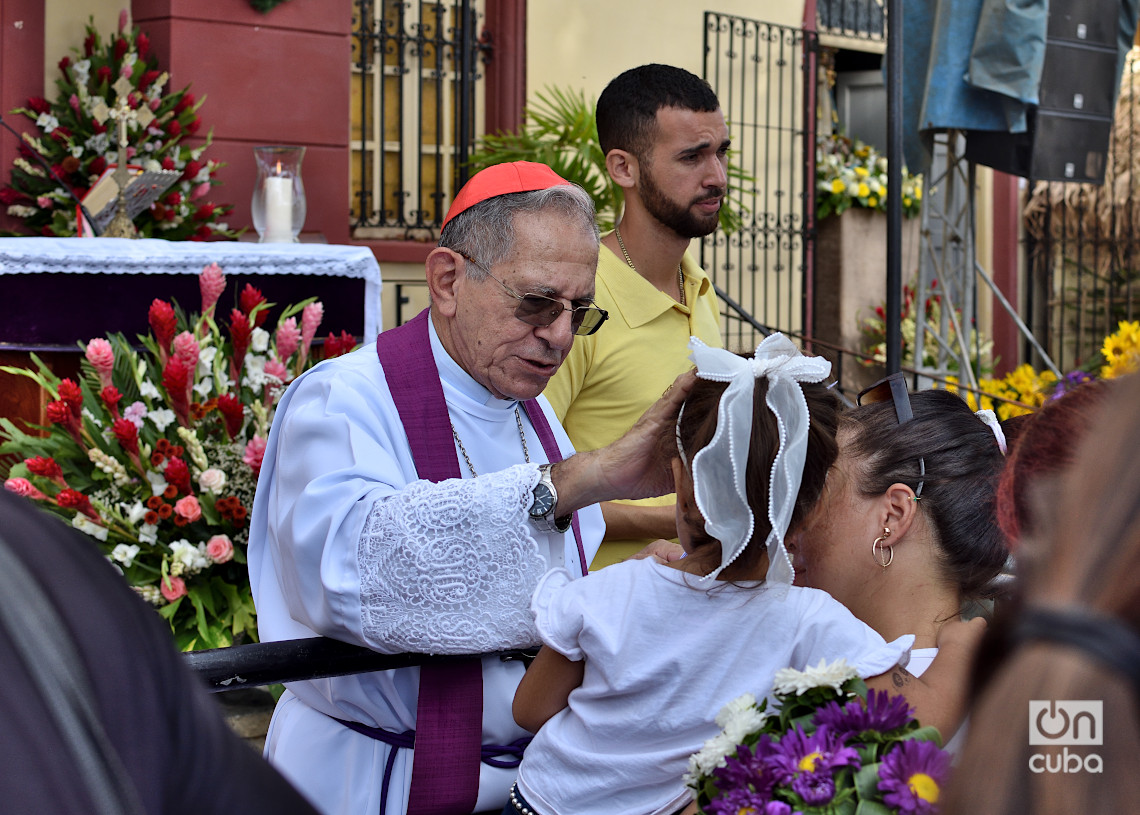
(57, 291)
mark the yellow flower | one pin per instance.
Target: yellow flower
(863, 190)
(872, 201)
(837, 185)
(918, 192)
(924, 787)
(861, 172)
(906, 201)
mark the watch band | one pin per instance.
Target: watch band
(545, 500)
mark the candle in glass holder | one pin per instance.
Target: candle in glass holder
(278, 209)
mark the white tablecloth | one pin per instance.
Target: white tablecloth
(153, 256)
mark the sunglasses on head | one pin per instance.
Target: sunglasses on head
(893, 389)
(540, 310)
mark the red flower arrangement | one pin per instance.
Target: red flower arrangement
(155, 454)
(78, 147)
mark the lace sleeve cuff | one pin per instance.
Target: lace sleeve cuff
(450, 568)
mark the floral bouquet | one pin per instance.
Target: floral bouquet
(873, 334)
(852, 174)
(828, 747)
(78, 147)
(155, 454)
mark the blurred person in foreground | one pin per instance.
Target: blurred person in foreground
(159, 740)
(1073, 640)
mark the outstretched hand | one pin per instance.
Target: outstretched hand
(635, 466)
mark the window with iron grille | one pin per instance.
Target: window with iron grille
(415, 69)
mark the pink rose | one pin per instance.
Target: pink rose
(172, 588)
(24, 487)
(220, 548)
(254, 453)
(102, 358)
(188, 508)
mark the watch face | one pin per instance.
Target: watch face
(543, 501)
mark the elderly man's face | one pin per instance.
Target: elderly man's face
(512, 359)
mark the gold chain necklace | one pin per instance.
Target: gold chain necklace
(467, 458)
(629, 260)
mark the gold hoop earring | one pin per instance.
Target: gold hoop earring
(884, 555)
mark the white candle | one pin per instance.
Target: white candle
(278, 209)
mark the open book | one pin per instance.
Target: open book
(144, 187)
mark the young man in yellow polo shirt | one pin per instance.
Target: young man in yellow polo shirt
(666, 146)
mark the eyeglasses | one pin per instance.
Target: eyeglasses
(539, 310)
(894, 388)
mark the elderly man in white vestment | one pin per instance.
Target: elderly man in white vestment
(349, 540)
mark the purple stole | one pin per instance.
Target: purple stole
(449, 714)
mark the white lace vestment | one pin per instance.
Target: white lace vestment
(346, 542)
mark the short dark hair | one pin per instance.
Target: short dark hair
(963, 464)
(698, 425)
(627, 109)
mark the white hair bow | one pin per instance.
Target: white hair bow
(719, 469)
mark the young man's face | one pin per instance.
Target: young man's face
(683, 176)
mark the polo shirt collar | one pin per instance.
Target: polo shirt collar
(638, 300)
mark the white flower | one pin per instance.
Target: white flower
(259, 340)
(147, 389)
(161, 418)
(790, 681)
(148, 534)
(204, 386)
(21, 211)
(709, 757)
(157, 482)
(82, 71)
(135, 512)
(206, 356)
(87, 414)
(193, 558)
(89, 527)
(212, 480)
(740, 717)
(77, 150)
(152, 165)
(46, 122)
(125, 554)
(98, 143)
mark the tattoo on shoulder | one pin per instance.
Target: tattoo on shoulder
(901, 677)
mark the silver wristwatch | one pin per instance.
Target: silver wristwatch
(545, 500)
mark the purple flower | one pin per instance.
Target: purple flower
(745, 802)
(912, 775)
(1070, 381)
(808, 762)
(882, 712)
(749, 769)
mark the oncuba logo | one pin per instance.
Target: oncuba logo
(1064, 723)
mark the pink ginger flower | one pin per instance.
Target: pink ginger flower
(124, 20)
(186, 349)
(188, 508)
(74, 102)
(220, 548)
(128, 436)
(311, 317)
(288, 338)
(254, 453)
(172, 588)
(102, 358)
(211, 282)
(200, 190)
(233, 413)
(276, 367)
(24, 487)
(240, 333)
(71, 395)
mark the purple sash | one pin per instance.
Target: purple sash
(449, 715)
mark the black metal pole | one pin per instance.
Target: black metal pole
(894, 184)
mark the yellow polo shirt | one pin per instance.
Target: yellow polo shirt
(611, 378)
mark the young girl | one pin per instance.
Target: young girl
(641, 656)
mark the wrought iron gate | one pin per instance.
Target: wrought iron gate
(764, 76)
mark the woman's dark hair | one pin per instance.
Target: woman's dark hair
(963, 463)
(698, 424)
